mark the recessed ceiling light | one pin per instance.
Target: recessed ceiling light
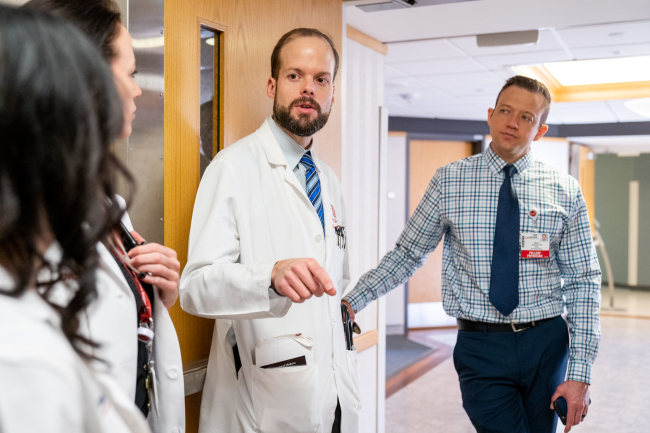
(601, 71)
(409, 97)
(616, 34)
(639, 106)
(210, 41)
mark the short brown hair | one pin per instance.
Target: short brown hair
(300, 33)
(99, 20)
(532, 86)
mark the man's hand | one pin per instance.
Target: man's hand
(300, 279)
(576, 395)
(350, 310)
(160, 267)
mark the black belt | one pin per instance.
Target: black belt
(468, 325)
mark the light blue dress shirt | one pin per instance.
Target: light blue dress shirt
(461, 204)
(292, 152)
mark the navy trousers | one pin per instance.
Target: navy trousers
(507, 379)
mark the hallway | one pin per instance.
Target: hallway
(620, 392)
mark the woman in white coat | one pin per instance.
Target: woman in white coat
(59, 113)
(148, 275)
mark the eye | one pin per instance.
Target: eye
(134, 73)
(293, 76)
(322, 80)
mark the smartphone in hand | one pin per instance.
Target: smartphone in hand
(560, 407)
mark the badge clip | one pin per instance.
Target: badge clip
(533, 214)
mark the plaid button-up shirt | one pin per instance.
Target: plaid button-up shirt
(461, 205)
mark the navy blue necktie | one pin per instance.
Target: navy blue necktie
(504, 279)
(312, 182)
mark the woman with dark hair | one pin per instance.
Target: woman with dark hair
(59, 114)
(135, 287)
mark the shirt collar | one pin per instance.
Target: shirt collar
(291, 150)
(496, 164)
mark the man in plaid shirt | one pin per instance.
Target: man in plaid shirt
(517, 251)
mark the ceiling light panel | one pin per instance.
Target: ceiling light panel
(468, 44)
(489, 40)
(401, 4)
(602, 71)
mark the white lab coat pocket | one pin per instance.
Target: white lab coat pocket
(354, 377)
(284, 399)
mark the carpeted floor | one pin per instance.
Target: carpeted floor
(401, 353)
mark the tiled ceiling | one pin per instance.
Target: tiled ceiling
(453, 78)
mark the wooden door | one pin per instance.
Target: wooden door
(248, 30)
(425, 157)
(587, 180)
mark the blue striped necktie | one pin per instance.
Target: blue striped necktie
(313, 186)
(504, 278)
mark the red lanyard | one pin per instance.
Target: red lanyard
(145, 309)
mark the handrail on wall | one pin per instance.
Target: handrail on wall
(598, 242)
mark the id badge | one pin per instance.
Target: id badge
(535, 245)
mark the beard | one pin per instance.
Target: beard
(302, 126)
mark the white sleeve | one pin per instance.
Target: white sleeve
(214, 284)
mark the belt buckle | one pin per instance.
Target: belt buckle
(523, 329)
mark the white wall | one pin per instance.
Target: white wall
(554, 152)
(363, 86)
(396, 220)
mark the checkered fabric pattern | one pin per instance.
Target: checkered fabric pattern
(461, 205)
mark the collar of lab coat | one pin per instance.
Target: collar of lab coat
(114, 271)
(275, 156)
(32, 303)
(273, 150)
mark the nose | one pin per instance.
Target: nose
(137, 91)
(308, 89)
(512, 122)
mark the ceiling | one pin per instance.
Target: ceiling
(434, 75)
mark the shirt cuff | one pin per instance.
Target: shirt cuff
(579, 371)
(351, 300)
(273, 294)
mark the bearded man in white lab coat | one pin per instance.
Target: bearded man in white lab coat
(267, 241)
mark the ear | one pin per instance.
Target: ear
(270, 88)
(540, 132)
(333, 92)
(490, 113)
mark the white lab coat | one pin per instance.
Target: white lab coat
(44, 385)
(250, 211)
(111, 321)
